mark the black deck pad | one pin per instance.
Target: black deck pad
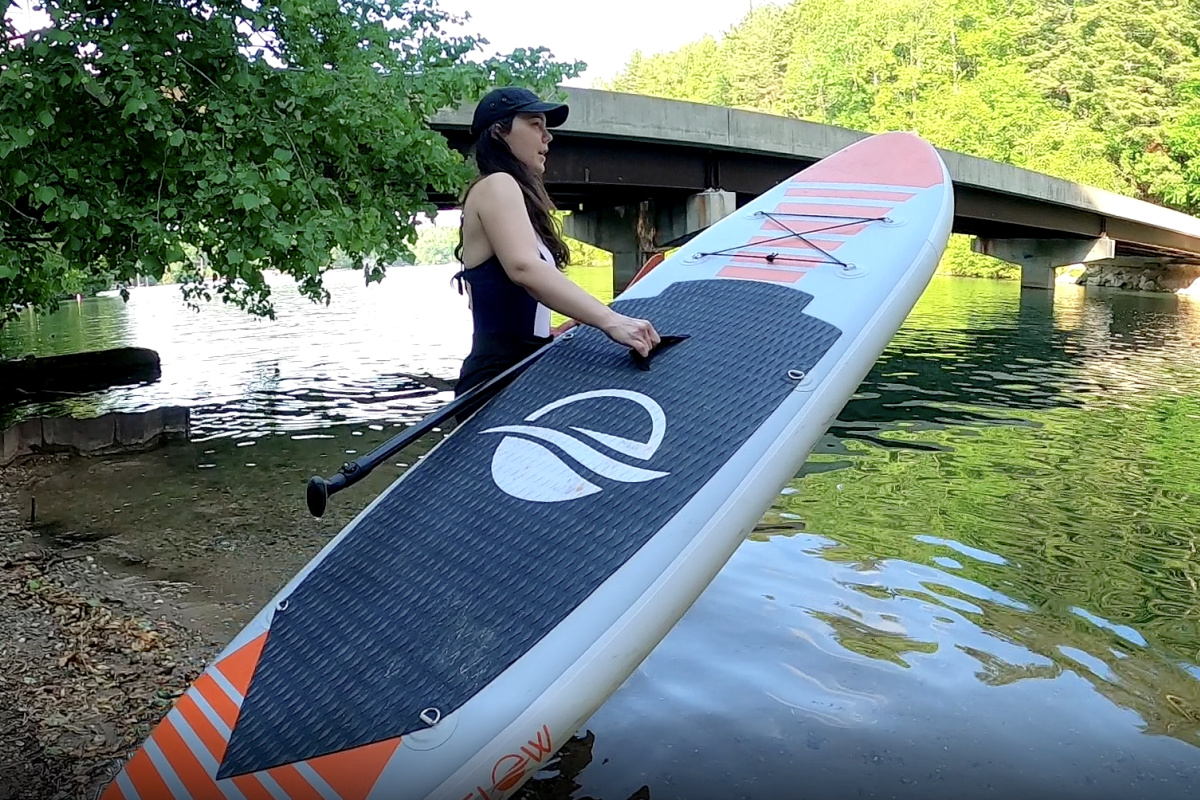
(449, 579)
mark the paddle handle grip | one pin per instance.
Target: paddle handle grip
(319, 490)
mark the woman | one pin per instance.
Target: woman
(510, 248)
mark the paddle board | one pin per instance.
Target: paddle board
(465, 624)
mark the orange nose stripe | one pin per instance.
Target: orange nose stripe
(216, 697)
(144, 778)
(294, 784)
(113, 792)
(189, 770)
(213, 741)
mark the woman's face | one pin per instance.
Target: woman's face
(529, 140)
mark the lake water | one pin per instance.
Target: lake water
(984, 583)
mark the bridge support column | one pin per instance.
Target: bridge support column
(633, 233)
(1038, 258)
(701, 211)
(1038, 276)
(621, 231)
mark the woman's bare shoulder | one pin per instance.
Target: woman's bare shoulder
(497, 185)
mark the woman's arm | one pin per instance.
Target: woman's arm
(500, 206)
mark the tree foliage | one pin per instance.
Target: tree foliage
(435, 245)
(1181, 137)
(1103, 92)
(253, 133)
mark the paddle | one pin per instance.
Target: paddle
(319, 489)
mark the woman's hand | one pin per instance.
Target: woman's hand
(631, 332)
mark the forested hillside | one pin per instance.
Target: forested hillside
(1104, 92)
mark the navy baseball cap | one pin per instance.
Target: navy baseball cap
(500, 103)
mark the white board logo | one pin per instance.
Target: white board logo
(530, 471)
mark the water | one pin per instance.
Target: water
(984, 582)
(355, 360)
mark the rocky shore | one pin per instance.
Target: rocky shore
(1177, 279)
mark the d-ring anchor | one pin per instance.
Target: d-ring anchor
(431, 716)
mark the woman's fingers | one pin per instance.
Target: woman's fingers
(645, 337)
(636, 333)
(648, 335)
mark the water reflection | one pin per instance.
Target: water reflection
(983, 583)
(372, 353)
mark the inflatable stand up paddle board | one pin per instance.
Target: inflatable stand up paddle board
(467, 622)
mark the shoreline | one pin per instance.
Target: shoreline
(88, 663)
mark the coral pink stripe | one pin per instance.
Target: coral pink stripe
(754, 274)
(812, 225)
(831, 210)
(782, 262)
(793, 243)
(857, 194)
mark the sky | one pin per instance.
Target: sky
(602, 33)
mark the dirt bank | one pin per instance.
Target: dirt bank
(88, 662)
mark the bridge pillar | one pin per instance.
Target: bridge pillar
(633, 233)
(622, 231)
(1038, 276)
(1038, 258)
(700, 211)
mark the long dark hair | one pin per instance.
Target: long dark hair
(492, 154)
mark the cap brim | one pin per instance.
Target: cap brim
(556, 113)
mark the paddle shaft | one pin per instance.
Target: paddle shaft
(319, 489)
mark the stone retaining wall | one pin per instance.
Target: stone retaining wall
(111, 433)
(1177, 279)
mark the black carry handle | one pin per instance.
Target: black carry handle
(319, 489)
(664, 341)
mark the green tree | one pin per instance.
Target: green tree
(435, 245)
(262, 134)
(754, 58)
(1120, 66)
(694, 72)
(1180, 183)
(585, 255)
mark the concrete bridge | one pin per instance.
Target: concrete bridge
(641, 174)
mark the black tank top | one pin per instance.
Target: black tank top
(509, 324)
